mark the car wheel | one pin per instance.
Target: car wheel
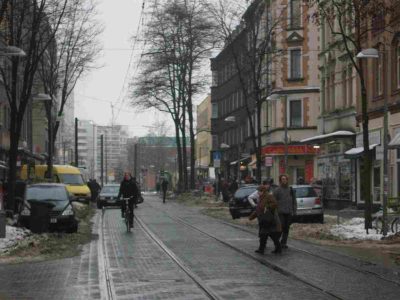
(73, 229)
(319, 219)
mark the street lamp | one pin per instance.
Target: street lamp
(374, 53)
(275, 97)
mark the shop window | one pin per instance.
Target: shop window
(377, 184)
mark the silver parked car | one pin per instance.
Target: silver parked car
(309, 205)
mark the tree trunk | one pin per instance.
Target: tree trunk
(12, 163)
(367, 161)
(179, 156)
(259, 145)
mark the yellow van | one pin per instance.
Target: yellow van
(69, 175)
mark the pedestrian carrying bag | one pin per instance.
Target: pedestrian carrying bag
(266, 219)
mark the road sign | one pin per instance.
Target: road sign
(217, 163)
(217, 155)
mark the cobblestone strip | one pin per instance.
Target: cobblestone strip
(341, 280)
(139, 269)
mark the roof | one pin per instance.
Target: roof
(323, 138)
(356, 152)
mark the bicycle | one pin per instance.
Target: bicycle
(127, 214)
(393, 217)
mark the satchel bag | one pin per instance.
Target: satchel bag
(266, 219)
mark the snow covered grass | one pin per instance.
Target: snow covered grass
(13, 236)
(353, 229)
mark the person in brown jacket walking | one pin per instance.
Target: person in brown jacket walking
(272, 229)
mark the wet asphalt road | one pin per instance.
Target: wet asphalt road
(174, 252)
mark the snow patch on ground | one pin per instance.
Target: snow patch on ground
(13, 236)
(354, 229)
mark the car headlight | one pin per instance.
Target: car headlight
(68, 211)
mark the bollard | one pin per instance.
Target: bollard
(2, 224)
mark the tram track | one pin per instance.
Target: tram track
(260, 260)
(318, 256)
(104, 269)
(210, 293)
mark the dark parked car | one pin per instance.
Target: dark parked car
(49, 204)
(239, 206)
(309, 204)
(108, 196)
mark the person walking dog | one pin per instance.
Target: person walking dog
(287, 206)
(268, 220)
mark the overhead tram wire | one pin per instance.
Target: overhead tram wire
(141, 55)
(130, 60)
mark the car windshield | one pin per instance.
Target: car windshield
(40, 193)
(305, 192)
(71, 178)
(110, 190)
(244, 192)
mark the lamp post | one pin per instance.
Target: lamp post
(274, 97)
(374, 53)
(233, 119)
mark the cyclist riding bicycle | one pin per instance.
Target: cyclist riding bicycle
(128, 189)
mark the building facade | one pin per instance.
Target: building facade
(203, 138)
(295, 85)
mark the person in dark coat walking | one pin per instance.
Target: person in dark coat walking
(128, 189)
(164, 187)
(273, 230)
(287, 206)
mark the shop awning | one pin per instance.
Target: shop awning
(357, 152)
(239, 160)
(395, 142)
(324, 138)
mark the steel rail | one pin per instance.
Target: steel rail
(206, 289)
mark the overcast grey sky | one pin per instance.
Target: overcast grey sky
(95, 93)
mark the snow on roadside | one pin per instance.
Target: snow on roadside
(13, 236)
(354, 229)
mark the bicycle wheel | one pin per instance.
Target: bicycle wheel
(395, 225)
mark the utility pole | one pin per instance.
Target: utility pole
(135, 160)
(76, 142)
(101, 160)
(106, 158)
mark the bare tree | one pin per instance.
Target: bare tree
(180, 35)
(350, 22)
(27, 26)
(74, 53)
(251, 46)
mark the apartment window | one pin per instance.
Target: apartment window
(295, 13)
(378, 82)
(397, 55)
(295, 64)
(344, 87)
(350, 85)
(214, 113)
(214, 78)
(295, 113)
